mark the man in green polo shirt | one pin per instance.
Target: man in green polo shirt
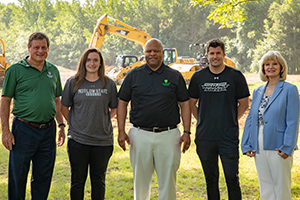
(35, 87)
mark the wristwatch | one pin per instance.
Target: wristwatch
(62, 124)
(188, 132)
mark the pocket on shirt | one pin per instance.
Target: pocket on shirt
(280, 129)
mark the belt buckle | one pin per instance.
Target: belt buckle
(42, 126)
(156, 129)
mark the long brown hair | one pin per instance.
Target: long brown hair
(81, 70)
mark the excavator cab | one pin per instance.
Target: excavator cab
(169, 56)
(123, 61)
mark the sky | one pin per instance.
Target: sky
(16, 1)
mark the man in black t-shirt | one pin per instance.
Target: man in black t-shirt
(155, 91)
(218, 98)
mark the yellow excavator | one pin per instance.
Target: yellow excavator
(3, 64)
(124, 63)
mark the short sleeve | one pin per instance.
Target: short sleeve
(182, 93)
(114, 95)
(68, 93)
(193, 88)
(125, 90)
(242, 87)
(10, 82)
(58, 86)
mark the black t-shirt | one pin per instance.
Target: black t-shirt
(218, 96)
(154, 96)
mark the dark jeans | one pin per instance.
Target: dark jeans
(208, 152)
(36, 145)
(83, 157)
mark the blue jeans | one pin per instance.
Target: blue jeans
(31, 145)
(81, 158)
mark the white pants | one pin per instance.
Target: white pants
(274, 172)
(151, 151)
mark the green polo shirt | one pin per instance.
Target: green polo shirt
(33, 91)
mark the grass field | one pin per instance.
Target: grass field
(119, 181)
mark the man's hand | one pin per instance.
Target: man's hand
(8, 139)
(61, 136)
(186, 140)
(122, 137)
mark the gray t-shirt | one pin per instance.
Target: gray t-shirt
(89, 117)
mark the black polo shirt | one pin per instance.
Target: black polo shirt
(154, 96)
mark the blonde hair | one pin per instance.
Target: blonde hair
(276, 56)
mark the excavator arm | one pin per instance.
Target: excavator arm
(128, 32)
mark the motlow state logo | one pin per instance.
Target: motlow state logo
(215, 87)
(92, 92)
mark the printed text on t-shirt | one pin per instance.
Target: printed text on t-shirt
(215, 87)
(92, 92)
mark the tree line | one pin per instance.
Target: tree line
(265, 25)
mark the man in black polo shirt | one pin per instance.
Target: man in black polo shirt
(155, 91)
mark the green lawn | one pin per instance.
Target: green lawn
(119, 181)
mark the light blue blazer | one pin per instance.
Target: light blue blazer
(280, 120)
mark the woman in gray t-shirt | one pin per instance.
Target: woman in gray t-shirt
(89, 101)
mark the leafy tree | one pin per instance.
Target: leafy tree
(5, 15)
(249, 32)
(69, 40)
(177, 23)
(188, 25)
(282, 34)
(226, 12)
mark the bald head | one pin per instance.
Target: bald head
(154, 39)
(154, 53)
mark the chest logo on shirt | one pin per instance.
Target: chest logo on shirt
(92, 92)
(49, 75)
(215, 87)
(166, 82)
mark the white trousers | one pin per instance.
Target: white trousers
(151, 151)
(274, 172)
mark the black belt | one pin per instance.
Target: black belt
(156, 129)
(38, 125)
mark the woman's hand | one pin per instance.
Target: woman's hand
(283, 155)
(251, 153)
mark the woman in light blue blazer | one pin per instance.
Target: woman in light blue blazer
(271, 129)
